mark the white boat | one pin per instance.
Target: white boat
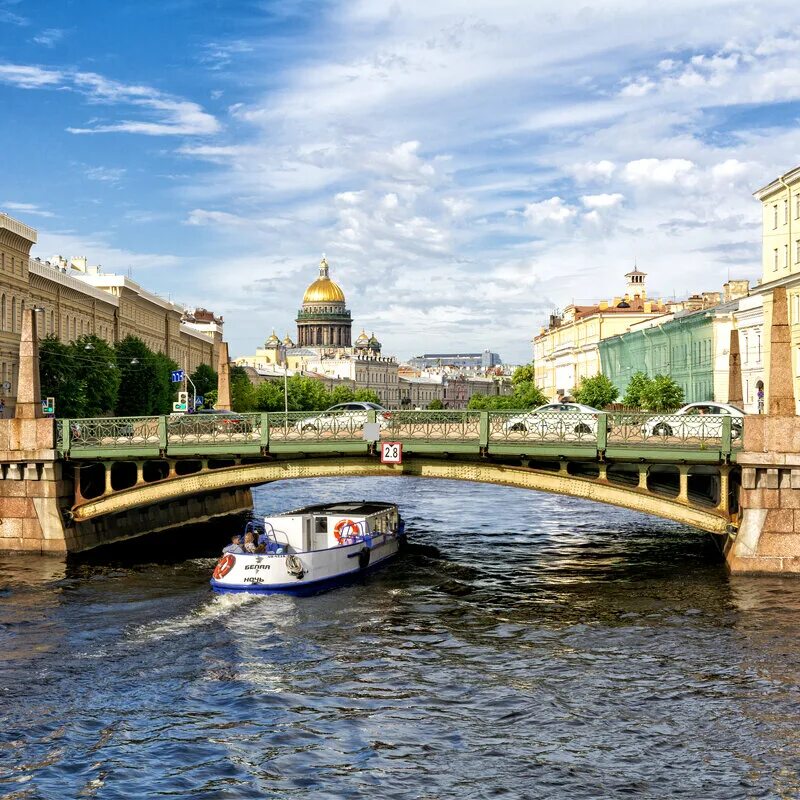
(312, 549)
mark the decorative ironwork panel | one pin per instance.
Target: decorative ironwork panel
(317, 426)
(213, 429)
(543, 426)
(110, 432)
(672, 430)
(454, 426)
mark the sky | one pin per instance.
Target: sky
(466, 166)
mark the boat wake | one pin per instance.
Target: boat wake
(215, 609)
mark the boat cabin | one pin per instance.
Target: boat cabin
(327, 525)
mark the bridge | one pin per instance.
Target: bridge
(678, 467)
(72, 484)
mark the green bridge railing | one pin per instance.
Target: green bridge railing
(663, 437)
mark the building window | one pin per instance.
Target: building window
(785, 211)
(797, 207)
(775, 260)
(775, 216)
(786, 256)
(758, 348)
(797, 251)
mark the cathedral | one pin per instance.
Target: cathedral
(324, 346)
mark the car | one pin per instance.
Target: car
(210, 420)
(568, 420)
(344, 416)
(703, 419)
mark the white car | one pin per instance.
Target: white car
(344, 417)
(561, 420)
(700, 420)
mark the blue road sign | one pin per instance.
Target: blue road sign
(198, 401)
(178, 375)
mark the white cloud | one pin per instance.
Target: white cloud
(27, 77)
(602, 200)
(173, 115)
(49, 37)
(593, 170)
(26, 208)
(658, 170)
(106, 174)
(552, 210)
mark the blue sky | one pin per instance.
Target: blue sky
(466, 166)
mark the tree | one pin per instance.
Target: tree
(166, 391)
(527, 395)
(597, 391)
(243, 395)
(662, 394)
(366, 396)
(636, 386)
(269, 396)
(59, 379)
(524, 374)
(341, 394)
(204, 379)
(96, 370)
(435, 405)
(139, 387)
(307, 394)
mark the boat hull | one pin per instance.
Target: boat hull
(322, 569)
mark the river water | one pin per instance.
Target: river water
(527, 646)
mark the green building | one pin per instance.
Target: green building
(690, 347)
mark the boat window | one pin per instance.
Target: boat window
(320, 524)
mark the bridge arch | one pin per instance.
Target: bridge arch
(598, 488)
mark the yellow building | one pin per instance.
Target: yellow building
(567, 350)
(780, 259)
(77, 300)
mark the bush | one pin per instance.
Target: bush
(597, 392)
(633, 394)
(661, 394)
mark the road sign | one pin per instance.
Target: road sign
(198, 401)
(178, 375)
(391, 452)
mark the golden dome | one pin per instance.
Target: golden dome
(323, 290)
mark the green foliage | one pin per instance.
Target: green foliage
(524, 374)
(306, 394)
(204, 379)
(341, 394)
(269, 396)
(661, 394)
(166, 392)
(243, 393)
(139, 388)
(527, 395)
(58, 377)
(435, 405)
(366, 396)
(597, 392)
(633, 394)
(96, 369)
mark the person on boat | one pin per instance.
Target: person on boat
(235, 546)
(250, 545)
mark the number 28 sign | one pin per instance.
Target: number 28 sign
(391, 453)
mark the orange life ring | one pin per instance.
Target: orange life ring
(224, 565)
(341, 525)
